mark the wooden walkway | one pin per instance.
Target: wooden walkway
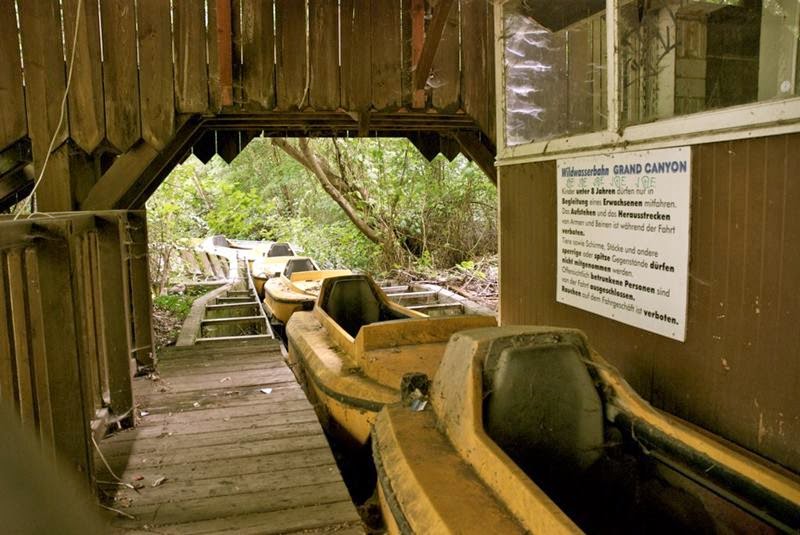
(237, 443)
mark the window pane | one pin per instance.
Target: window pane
(684, 56)
(555, 76)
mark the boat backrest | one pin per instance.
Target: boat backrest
(280, 249)
(298, 264)
(541, 405)
(352, 301)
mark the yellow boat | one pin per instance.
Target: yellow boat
(296, 289)
(354, 348)
(270, 264)
(527, 430)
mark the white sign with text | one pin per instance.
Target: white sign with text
(623, 237)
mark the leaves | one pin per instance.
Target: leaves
(429, 215)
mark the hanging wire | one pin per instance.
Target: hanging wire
(79, 10)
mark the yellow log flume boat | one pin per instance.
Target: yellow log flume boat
(354, 348)
(297, 288)
(528, 430)
(270, 264)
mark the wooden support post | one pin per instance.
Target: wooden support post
(70, 417)
(143, 349)
(479, 153)
(16, 287)
(120, 178)
(116, 349)
(7, 390)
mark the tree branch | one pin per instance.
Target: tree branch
(322, 171)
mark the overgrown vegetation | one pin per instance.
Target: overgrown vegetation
(369, 204)
(170, 309)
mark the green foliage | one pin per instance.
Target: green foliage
(431, 215)
(176, 304)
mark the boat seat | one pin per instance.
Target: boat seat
(280, 249)
(542, 408)
(297, 265)
(352, 302)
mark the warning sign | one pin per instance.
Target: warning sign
(623, 237)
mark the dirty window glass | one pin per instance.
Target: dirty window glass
(555, 69)
(685, 56)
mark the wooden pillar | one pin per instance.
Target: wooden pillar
(70, 419)
(141, 300)
(114, 317)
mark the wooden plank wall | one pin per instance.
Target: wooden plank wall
(65, 317)
(737, 373)
(138, 91)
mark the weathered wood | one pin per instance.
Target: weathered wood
(417, 44)
(229, 461)
(83, 169)
(356, 16)
(157, 445)
(327, 518)
(427, 144)
(291, 60)
(15, 186)
(155, 71)
(16, 284)
(387, 66)
(45, 81)
(206, 147)
(191, 79)
(100, 363)
(407, 59)
(39, 353)
(120, 178)
(433, 38)
(490, 128)
(445, 69)
(87, 328)
(258, 51)
(13, 124)
(120, 73)
(55, 193)
(143, 350)
(324, 54)
(220, 50)
(475, 60)
(189, 489)
(86, 100)
(117, 351)
(214, 507)
(212, 468)
(70, 416)
(477, 151)
(230, 380)
(7, 391)
(228, 149)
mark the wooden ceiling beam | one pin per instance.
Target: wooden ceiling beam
(120, 177)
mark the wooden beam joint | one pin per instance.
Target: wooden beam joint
(423, 57)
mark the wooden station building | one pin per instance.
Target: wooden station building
(526, 89)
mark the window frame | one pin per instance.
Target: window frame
(755, 119)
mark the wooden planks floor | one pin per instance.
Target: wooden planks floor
(233, 457)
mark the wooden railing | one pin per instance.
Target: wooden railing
(74, 324)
